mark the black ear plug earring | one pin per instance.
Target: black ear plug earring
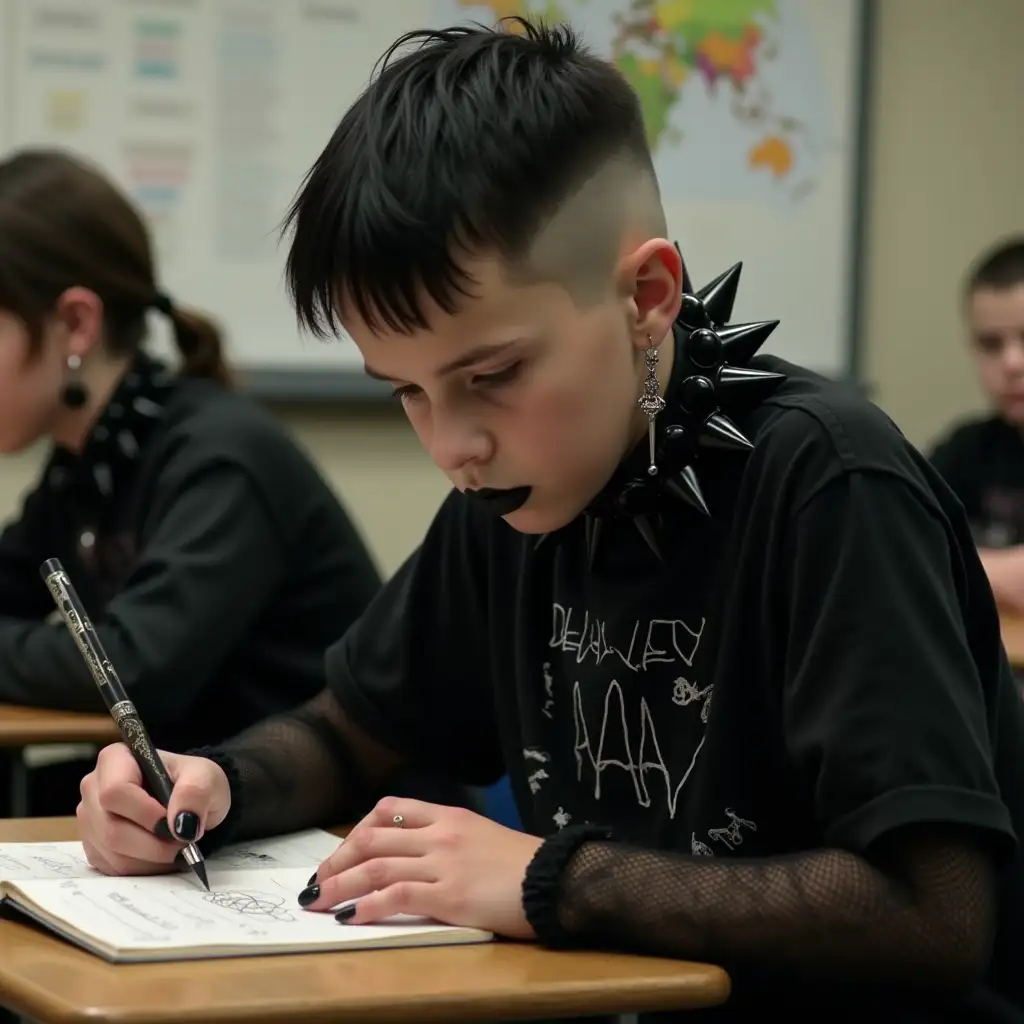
(74, 393)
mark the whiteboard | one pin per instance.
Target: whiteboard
(209, 113)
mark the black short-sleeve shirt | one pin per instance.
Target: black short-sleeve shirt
(817, 664)
(983, 462)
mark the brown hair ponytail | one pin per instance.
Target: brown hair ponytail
(199, 341)
(63, 224)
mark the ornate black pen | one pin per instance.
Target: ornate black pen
(122, 710)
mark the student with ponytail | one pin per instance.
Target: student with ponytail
(216, 562)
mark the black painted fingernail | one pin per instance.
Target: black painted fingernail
(345, 913)
(186, 826)
(162, 830)
(312, 879)
(309, 895)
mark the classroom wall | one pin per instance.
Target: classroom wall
(946, 152)
(946, 155)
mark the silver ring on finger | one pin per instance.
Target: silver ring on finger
(398, 821)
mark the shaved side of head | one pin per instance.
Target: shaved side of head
(579, 246)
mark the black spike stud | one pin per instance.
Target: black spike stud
(686, 488)
(697, 396)
(692, 313)
(592, 529)
(702, 413)
(703, 348)
(675, 438)
(739, 384)
(720, 432)
(646, 530)
(741, 342)
(687, 283)
(678, 446)
(719, 295)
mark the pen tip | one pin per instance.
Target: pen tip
(200, 870)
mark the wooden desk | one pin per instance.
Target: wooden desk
(50, 980)
(21, 727)
(1013, 637)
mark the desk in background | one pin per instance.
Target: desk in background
(48, 979)
(22, 727)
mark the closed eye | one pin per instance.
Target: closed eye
(406, 391)
(499, 377)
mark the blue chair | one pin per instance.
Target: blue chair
(499, 805)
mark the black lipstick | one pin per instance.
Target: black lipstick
(500, 502)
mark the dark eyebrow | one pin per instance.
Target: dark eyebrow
(474, 355)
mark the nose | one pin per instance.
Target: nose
(457, 441)
(1013, 357)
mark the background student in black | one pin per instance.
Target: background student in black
(982, 459)
(748, 685)
(216, 562)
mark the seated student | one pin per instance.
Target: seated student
(983, 459)
(723, 626)
(216, 561)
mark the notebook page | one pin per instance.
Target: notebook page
(43, 860)
(20, 861)
(245, 909)
(295, 850)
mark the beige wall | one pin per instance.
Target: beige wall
(947, 153)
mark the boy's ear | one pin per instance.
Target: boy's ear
(652, 276)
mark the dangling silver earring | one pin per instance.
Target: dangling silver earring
(650, 400)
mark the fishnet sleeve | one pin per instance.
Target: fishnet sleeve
(311, 767)
(925, 918)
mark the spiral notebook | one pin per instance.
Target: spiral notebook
(251, 909)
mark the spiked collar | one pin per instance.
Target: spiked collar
(710, 383)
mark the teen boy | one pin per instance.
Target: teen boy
(724, 628)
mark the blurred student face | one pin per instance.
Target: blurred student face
(523, 387)
(29, 385)
(32, 376)
(996, 321)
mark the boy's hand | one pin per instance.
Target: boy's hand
(445, 863)
(125, 831)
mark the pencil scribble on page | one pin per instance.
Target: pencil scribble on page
(42, 860)
(251, 904)
(242, 859)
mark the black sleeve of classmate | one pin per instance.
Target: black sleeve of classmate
(885, 719)
(211, 554)
(22, 592)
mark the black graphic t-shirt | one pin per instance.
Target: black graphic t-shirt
(983, 462)
(816, 665)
